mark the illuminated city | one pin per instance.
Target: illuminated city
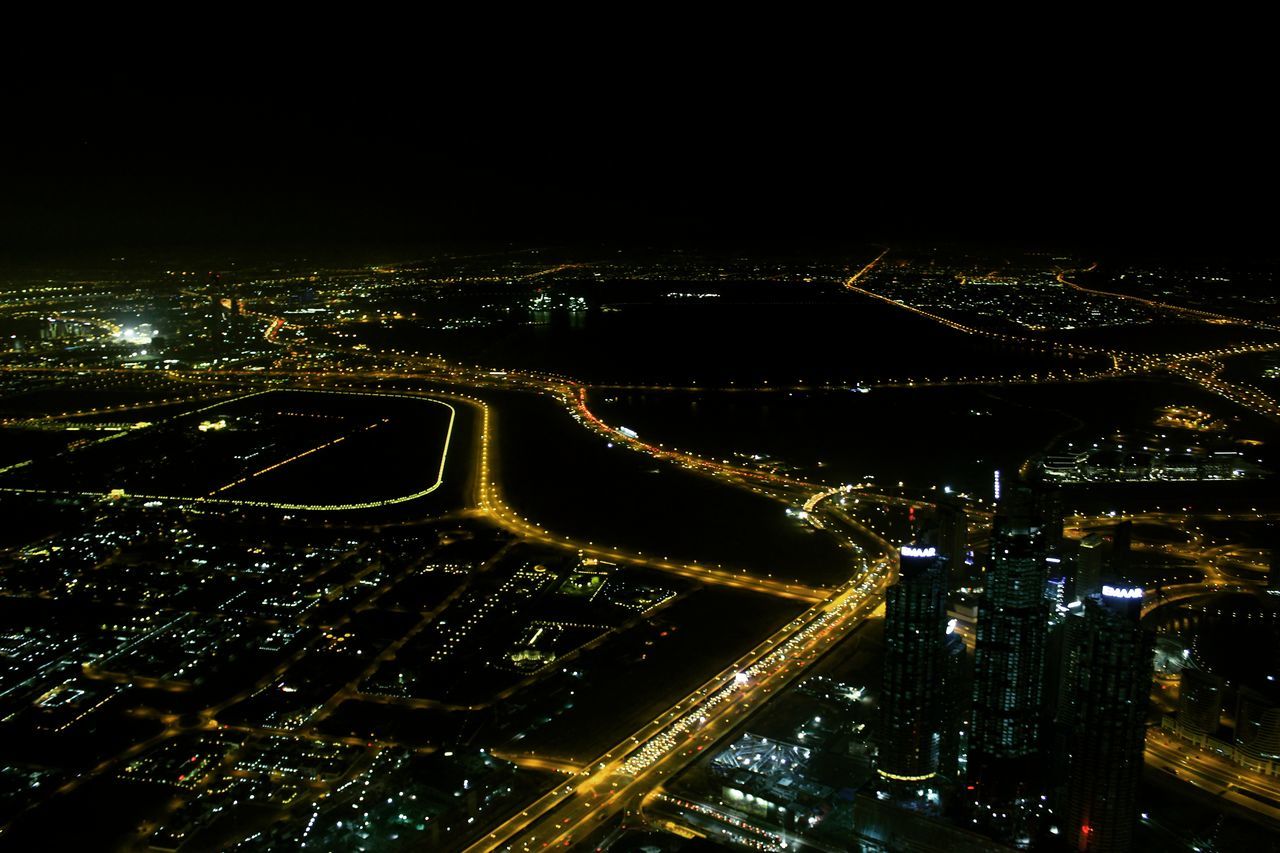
(544, 502)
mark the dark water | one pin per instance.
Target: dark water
(571, 481)
(1219, 628)
(830, 340)
(922, 436)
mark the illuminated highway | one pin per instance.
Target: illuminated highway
(1182, 363)
(1242, 394)
(1164, 306)
(619, 778)
(851, 284)
(1214, 774)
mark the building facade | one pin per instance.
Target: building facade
(1114, 683)
(912, 698)
(1004, 768)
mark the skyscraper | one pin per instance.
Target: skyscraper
(953, 537)
(1048, 507)
(1089, 567)
(956, 704)
(1258, 727)
(1062, 695)
(1003, 760)
(915, 625)
(1199, 704)
(1121, 551)
(1114, 682)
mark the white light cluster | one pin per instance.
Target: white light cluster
(1122, 592)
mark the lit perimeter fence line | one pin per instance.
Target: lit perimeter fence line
(266, 504)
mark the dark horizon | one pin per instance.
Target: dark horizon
(316, 163)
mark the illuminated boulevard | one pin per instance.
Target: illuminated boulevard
(1213, 774)
(618, 779)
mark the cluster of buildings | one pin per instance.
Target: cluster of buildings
(1158, 455)
(401, 800)
(348, 798)
(765, 778)
(1117, 463)
(1229, 704)
(794, 776)
(1033, 299)
(1253, 742)
(62, 329)
(1236, 290)
(1042, 738)
(146, 325)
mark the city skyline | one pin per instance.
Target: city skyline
(505, 452)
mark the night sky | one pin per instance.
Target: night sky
(756, 150)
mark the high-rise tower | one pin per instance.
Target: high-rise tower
(1089, 565)
(1199, 704)
(1114, 681)
(956, 705)
(915, 626)
(953, 537)
(1258, 726)
(1003, 760)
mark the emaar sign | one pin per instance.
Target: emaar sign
(1122, 592)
